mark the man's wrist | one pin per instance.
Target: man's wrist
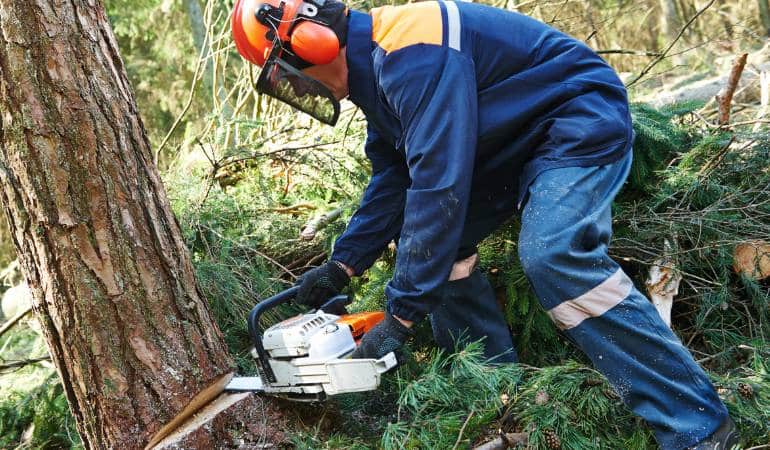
(404, 322)
(348, 270)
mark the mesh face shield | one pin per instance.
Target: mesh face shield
(281, 81)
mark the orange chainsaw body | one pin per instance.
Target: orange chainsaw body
(361, 323)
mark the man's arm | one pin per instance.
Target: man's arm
(380, 214)
(433, 91)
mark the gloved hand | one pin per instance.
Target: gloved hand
(387, 336)
(320, 284)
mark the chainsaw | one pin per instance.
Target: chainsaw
(306, 357)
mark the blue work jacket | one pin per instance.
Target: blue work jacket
(466, 104)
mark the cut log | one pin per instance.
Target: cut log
(230, 421)
(752, 259)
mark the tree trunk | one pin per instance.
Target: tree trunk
(113, 284)
(764, 15)
(669, 20)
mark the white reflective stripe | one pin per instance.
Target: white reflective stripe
(453, 25)
(593, 303)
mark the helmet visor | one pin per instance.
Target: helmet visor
(280, 80)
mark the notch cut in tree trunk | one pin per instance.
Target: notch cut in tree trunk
(113, 285)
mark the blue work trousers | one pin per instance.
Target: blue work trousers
(565, 232)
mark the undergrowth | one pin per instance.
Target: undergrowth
(702, 191)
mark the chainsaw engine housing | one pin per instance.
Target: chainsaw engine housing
(307, 356)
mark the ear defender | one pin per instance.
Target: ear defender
(314, 43)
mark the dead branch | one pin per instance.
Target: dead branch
(290, 209)
(665, 52)
(623, 51)
(725, 96)
(11, 322)
(505, 441)
(312, 227)
(23, 363)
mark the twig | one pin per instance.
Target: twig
(462, 430)
(725, 96)
(727, 350)
(663, 54)
(622, 51)
(716, 159)
(257, 252)
(289, 209)
(23, 363)
(273, 152)
(7, 325)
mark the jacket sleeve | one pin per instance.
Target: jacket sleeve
(378, 218)
(432, 89)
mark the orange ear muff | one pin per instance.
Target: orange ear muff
(314, 43)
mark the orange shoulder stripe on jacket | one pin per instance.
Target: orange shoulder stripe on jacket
(396, 27)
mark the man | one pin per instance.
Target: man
(475, 113)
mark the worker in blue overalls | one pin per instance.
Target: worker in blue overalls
(475, 113)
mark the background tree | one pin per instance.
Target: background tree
(113, 285)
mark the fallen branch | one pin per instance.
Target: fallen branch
(725, 96)
(12, 321)
(312, 227)
(504, 441)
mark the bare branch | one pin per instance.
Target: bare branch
(665, 52)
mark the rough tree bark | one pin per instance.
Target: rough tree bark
(113, 284)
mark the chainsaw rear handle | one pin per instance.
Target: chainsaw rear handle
(335, 305)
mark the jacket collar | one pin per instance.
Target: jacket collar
(361, 82)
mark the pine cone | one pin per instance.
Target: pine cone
(746, 391)
(552, 440)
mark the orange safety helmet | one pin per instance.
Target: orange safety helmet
(258, 25)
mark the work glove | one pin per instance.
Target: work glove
(385, 337)
(320, 284)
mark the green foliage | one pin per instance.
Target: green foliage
(44, 412)
(159, 56)
(710, 197)
(575, 402)
(33, 407)
(657, 140)
(451, 393)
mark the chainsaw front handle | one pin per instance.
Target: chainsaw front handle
(335, 305)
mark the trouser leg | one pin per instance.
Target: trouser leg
(566, 228)
(468, 311)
